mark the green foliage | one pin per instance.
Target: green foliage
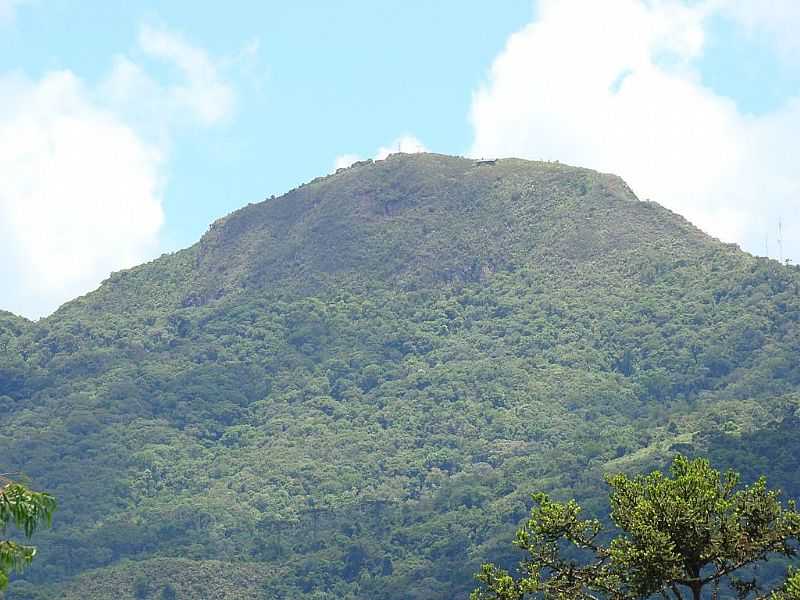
(694, 529)
(27, 511)
(348, 391)
(168, 592)
(790, 590)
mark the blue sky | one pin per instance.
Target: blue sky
(130, 127)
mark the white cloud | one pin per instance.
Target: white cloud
(345, 160)
(80, 193)
(406, 143)
(204, 93)
(200, 96)
(82, 169)
(610, 85)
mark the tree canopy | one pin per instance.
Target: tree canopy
(27, 511)
(790, 589)
(679, 535)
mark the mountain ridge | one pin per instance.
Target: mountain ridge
(220, 256)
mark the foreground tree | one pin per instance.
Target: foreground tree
(790, 589)
(27, 511)
(679, 537)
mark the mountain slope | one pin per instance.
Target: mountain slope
(350, 390)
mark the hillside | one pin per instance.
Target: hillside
(349, 391)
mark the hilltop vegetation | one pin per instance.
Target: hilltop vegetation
(350, 391)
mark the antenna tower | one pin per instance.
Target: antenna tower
(780, 239)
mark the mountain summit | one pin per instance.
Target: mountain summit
(349, 391)
(415, 220)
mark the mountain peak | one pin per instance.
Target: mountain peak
(426, 218)
(414, 221)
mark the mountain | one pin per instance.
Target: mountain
(351, 390)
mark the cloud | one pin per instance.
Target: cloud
(80, 193)
(83, 168)
(199, 96)
(204, 94)
(612, 86)
(345, 160)
(406, 143)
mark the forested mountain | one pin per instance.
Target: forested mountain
(350, 391)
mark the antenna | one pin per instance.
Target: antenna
(766, 244)
(780, 239)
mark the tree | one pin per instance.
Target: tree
(141, 587)
(790, 590)
(680, 536)
(168, 592)
(26, 510)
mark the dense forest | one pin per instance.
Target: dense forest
(350, 391)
